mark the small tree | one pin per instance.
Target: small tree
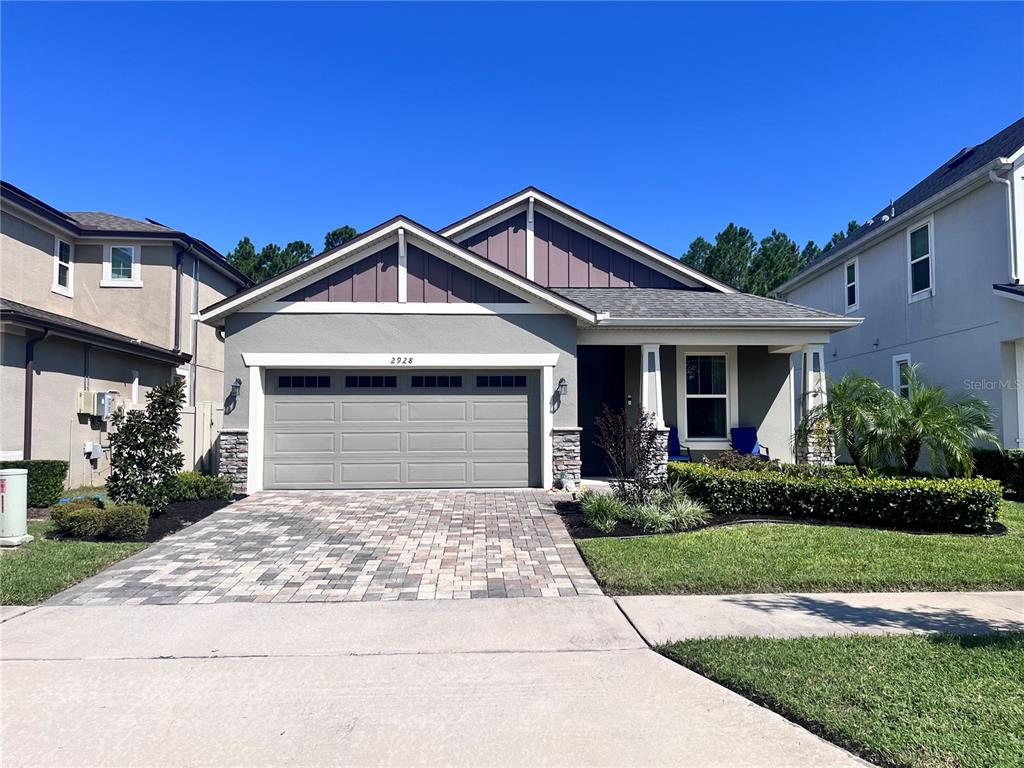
(144, 448)
(634, 452)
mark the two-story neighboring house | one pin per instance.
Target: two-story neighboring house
(936, 275)
(96, 309)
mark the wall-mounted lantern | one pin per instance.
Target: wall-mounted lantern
(563, 387)
(236, 387)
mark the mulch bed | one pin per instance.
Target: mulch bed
(572, 517)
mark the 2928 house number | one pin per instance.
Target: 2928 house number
(401, 361)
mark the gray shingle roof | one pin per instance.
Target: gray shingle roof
(677, 304)
(109, 222)
(962, 164)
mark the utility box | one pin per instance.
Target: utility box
(13, 507)
(93, 451)
(99, 405)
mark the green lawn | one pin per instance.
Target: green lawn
(915, 701)
(809, 558)
(43, 567)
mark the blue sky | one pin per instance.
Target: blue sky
(282, 121)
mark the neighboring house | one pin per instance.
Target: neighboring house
(936, 277)
(482, 354)
(101, 304)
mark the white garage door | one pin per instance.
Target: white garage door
(401, 429)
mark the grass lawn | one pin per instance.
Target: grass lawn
(810, 558)
(897, 701)
(43, 567)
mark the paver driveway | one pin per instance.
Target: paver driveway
(322, 546)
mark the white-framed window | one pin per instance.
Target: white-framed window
(63, 268)
(851, 279)
(900, 363)
(921, 261)
(707, 395)
(121, 268)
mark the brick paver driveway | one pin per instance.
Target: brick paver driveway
(316, 546)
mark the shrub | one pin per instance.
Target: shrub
(601, 511)
(685, 513)
(915, 504)
(144, 453)
(743, 462)
(991, 463)
(634, 449)
(45, 479)
(194, 486)
(118, 523)
(1015, 471)
(649, 515)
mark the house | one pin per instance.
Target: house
(481, 354)
(96, 309)
(936, 277)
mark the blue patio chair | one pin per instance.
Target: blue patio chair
(677, 452)
(744, 441)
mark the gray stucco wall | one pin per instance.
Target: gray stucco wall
(763, 398)
(400, 334)
(954, 334)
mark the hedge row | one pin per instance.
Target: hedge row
(45, 479)
(910, 504)
(84, 520)
(195, 486)
(1004, 466)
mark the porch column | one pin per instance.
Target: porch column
(814, 376)
(650, 382)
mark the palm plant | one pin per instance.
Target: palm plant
(927, 418)
(846, 421)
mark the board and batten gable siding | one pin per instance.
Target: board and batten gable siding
(434, 280)
(374, 278)
(563, 257)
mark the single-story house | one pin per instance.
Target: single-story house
(481, 355)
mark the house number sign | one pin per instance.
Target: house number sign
(401, 361)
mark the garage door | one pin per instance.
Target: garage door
(401, 429)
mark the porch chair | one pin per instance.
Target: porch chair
(744, 441)
(677, 452)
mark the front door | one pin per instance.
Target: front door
(602, 382)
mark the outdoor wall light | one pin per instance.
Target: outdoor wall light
(236, 387)
(563, 387)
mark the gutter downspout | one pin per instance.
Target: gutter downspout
(178, 262)
(994, 176)
(30, 356)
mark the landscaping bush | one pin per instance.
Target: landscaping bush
(915, 504)
(739, 462)
(1014, 472)
(649, 516)
(601, 511)
(116, 523)
(685, 513)
(45, 479)
(195, 486)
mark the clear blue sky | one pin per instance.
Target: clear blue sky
(282, 121)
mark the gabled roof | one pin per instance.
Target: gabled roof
(969, 161)
(672, 306)
(24, 315)
(586, 222)
(98, 224)
(331, 260)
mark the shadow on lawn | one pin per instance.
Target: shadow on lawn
(922, 618)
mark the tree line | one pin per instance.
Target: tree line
(739, 259)
(272, 259)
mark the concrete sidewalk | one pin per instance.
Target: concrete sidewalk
(666, 618)
(534, 681)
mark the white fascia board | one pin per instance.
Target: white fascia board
(894, 225)
(396, 360)
(653, 256)
(1008, 294)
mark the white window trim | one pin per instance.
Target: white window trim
(108, 281)
(930, 290)
(135, 387)
(55, 286)
(855, 261)
(731, 397)
(896, 361)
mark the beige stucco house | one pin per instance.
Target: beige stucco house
(96, 309)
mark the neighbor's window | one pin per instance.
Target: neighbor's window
(852, 287)
(62, 268)
(921, 260)
(122, 262)
(706, 396)
(900, 364)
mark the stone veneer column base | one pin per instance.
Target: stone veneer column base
(565, 454)
(233, 450)
(661, 470)
(816, 452)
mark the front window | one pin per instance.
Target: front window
(122, 262)
(706, 397)
(920, 261)
(62, 265)
(852, 287)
